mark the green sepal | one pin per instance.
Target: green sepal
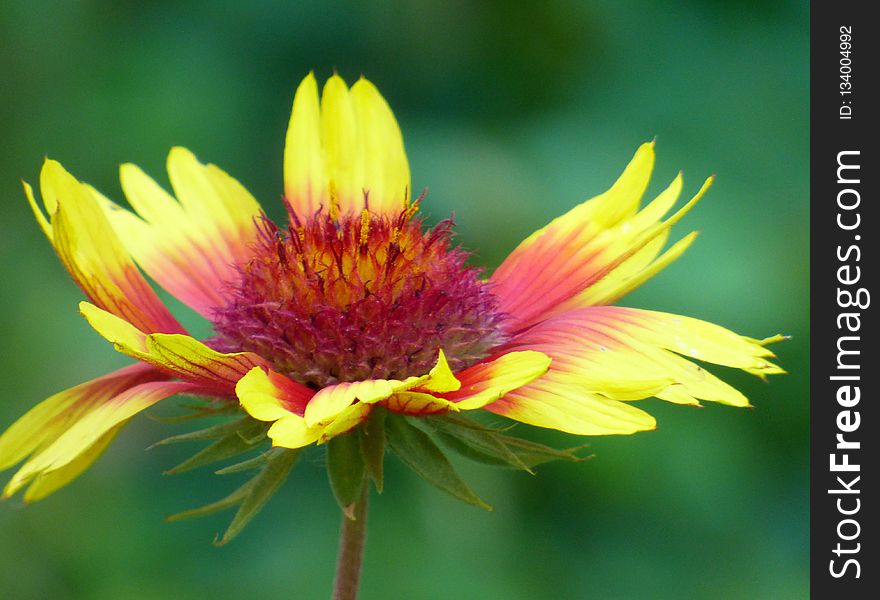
(250, 497)
(417, 450)
(244, 437)
(372, 435)
(209, 433)
(487, 445)
(345, 469)
(474, 453)
(199, 411)
(236, 497)
(251, 463)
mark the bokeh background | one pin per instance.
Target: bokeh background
(512, 113)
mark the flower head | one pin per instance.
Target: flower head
(357, 307)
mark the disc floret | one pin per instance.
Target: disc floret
(369, 296)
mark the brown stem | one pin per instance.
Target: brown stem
(351, 548)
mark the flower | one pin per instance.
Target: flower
(357, 304)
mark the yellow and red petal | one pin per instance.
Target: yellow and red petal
(192, 246)
(629, 354)
(302, 416)
(175, 354)
(45, 422)
(269, 396)
(477, 386)
(48, 482)
(344, 152)
(345, 421)
(92, 252)
(698, 339)
(486, 382)
(82, 440)
(418, 404)
(594, 254)
(332, 400)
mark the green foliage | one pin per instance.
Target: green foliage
(345, 468)
(233, 439)
(355, 456)
(250, 463)
(489, 445)
(372, 437)
(419, 452)
(250, 497)
(230, 439)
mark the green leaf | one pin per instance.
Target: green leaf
(533, 453)
(209, 433)
(250, 464)
(488, 445)
(474, 453)
(229, 501)
(469, 423)
(235, 442)
(482, 442)
(345, 468)
(419, 452)
(373, 446)
(262, 487)
(250, 497)
(199, 411)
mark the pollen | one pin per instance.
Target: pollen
(366, 296)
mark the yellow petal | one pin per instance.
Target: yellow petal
(291, 431)
(611, 207)
(566, 408)
(386, 169)
(441, 378)
(342, 148)
(42, 221)
(418, 403)
(470, 389)
(330, 401)
(634, 272)
(343, 160)
(345, 421)
(302, 418)
(304, 180)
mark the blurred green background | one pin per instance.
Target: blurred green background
(512, 112)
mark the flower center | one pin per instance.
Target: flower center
(370, 297)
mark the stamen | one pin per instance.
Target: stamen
(333, 200)
(365, 229)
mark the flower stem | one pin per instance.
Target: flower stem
(352, 535)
